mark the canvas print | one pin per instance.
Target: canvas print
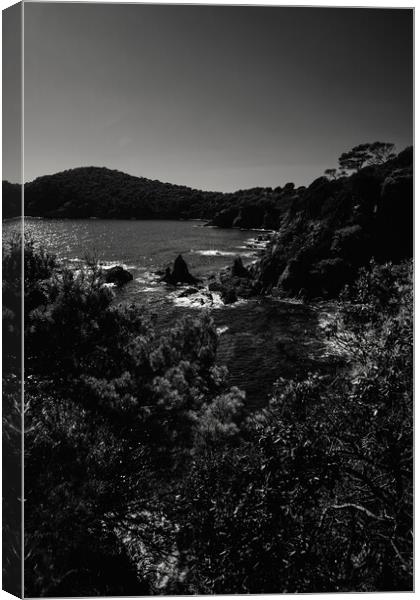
(207, 299)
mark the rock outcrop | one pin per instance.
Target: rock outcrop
(229, 295)
(179, 273)
(118, 275)
(238, 269)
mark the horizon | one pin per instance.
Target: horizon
(216, 98)
(398, 151)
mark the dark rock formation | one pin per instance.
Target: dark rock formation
(118, 275)
(180, 273)
(238, 269)
(229, 295)
(224, 218)
(215, 286)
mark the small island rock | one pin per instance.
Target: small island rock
(238, 269)
(180, 273)
(118, 275)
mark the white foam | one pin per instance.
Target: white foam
(149, 278)
(221, 253)
(206, 300)
(108, 264)
(221, 330)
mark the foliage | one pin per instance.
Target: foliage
(375, 153)
(336, 225)
(110, 194)
(144, 474)
(113, 407)
(318, 494)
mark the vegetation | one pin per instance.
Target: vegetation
(144, 474)
(111, 409)
(103, 193)
(339, 223)
(367, 155)
(362, 192)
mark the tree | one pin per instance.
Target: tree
(334, 173)
(381, 152)
(331, 173)
(368, 154)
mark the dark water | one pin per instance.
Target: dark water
(260, 340)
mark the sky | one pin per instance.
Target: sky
(214, 97)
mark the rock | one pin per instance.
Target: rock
(188, 292)
(215, 286)
(277, 292)
(167, 276)
(244, 291)
(270, 220)
(238, 269)
(180, 273)
(229, 295)
(118, 275)
(224, 218)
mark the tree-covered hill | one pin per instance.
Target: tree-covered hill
(338, 224)
(326, 231)
(99, 192)
(11, 199)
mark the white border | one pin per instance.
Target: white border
(365, 4)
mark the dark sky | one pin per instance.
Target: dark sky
(213, 97)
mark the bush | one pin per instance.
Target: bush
(113, 408)
(317, 494)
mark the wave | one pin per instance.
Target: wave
(149, 278)
(104, 264)
(108, 264)
(204, 300)
(221, 253)
(221, 330)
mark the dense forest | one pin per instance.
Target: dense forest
(99, 192)
(146, 473)
(331, 229)
(338, 224)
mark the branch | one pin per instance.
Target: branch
(360, 508)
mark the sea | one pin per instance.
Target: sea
(141, 247)
(260, 339)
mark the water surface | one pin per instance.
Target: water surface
(143, 247)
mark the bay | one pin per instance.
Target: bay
(260, 339)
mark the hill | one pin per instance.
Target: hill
(334, 227)
(108, 194)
